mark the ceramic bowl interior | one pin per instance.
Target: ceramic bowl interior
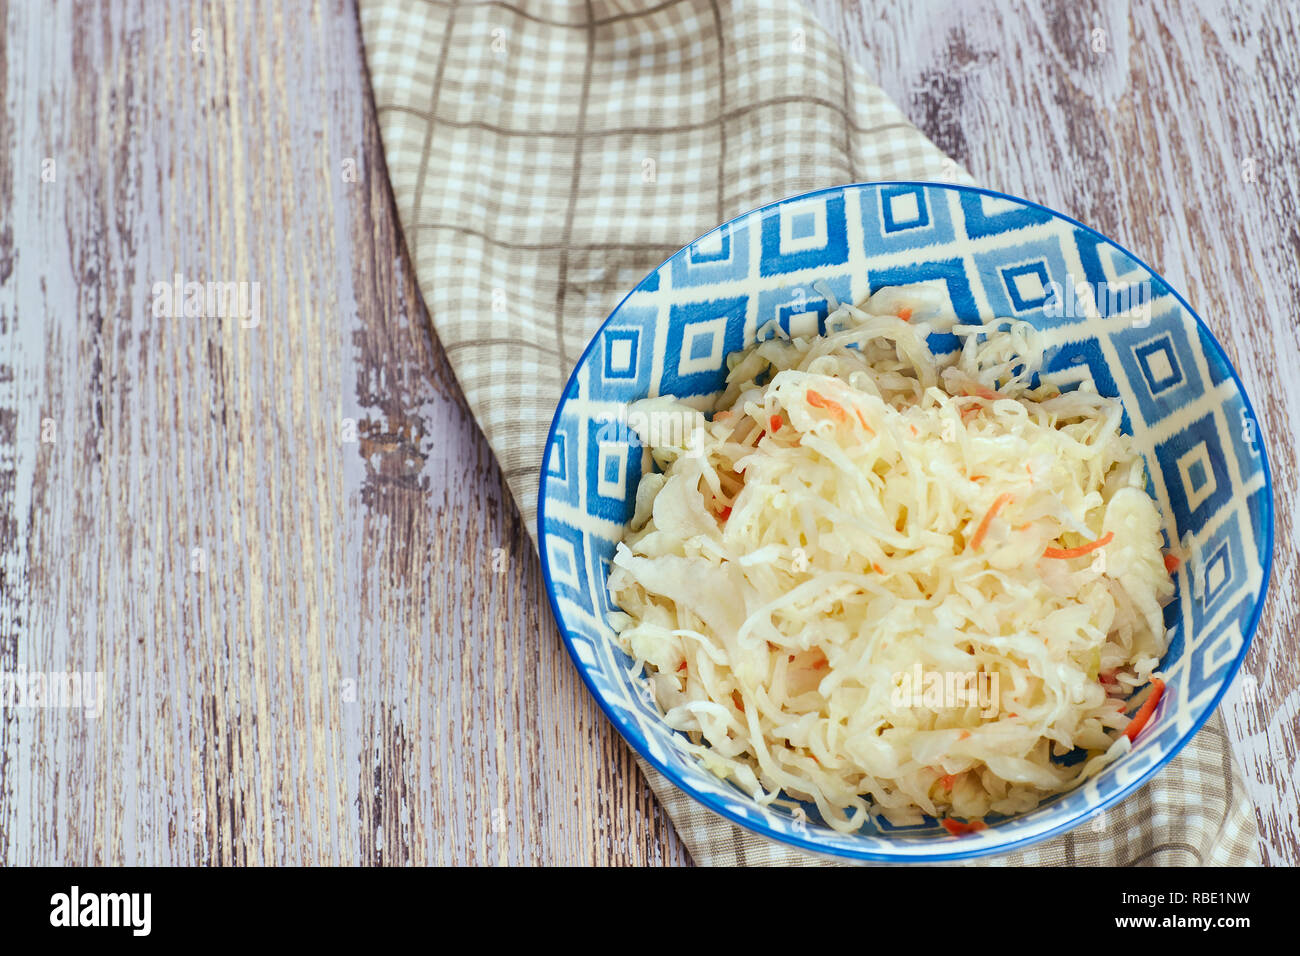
(1108, 318)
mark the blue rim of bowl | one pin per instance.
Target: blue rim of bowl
(874, 856)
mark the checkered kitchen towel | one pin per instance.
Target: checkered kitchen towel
(555, 152)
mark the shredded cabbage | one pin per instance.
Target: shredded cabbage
(864, 529)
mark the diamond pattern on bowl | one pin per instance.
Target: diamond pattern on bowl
(1109, 320)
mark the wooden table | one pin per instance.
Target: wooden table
(281, 537)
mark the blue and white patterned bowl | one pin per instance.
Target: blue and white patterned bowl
(1109, 317)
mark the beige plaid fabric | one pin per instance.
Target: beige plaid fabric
(545, 156)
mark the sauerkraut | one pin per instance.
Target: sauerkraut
(863, 527)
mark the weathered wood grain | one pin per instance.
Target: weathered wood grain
(1171, 127)
(287, 546)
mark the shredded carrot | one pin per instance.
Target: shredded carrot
(877, 568)
(963, 735)
(774, 423)
(1013, 714)
(1107, 678)
(914, 431)
(998, 504)
(957, 828)
(905, 313)
(982, 392)
(817, 400)
(948, 780)
(1081, 549)
(738, 701)
(725, 513)
(1171, 563)
(1146, 710)
(869, 429)
(681, 667)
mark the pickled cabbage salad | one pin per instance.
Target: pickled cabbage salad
(894, 583)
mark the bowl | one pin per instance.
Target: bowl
(1107, 316)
